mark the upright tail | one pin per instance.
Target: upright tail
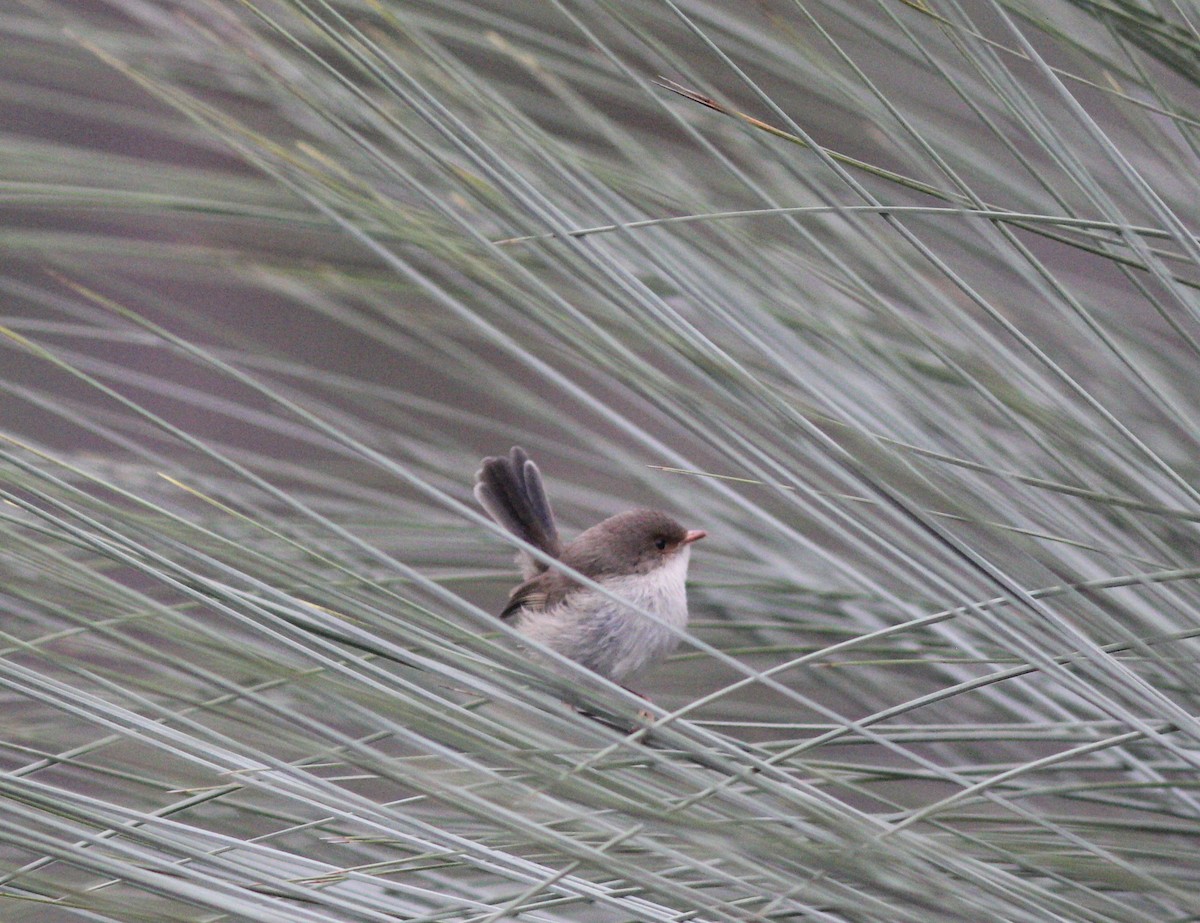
(511, 491)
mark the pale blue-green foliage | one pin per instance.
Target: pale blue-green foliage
(897, 300)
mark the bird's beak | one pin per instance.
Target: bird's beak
(693, 535)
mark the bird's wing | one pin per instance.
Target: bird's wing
(537, 594)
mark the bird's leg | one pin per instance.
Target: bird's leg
(643, 713)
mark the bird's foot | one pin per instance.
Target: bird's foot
(644, 714)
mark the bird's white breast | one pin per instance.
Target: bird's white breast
(610, 637)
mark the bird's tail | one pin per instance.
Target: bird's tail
(511, 491)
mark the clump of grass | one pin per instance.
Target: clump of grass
(896, 301)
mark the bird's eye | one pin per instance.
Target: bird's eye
(660, 543)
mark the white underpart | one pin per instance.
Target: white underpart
(610, 637)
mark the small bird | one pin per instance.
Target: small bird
(640, 556)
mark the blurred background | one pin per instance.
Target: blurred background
(897, 300)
